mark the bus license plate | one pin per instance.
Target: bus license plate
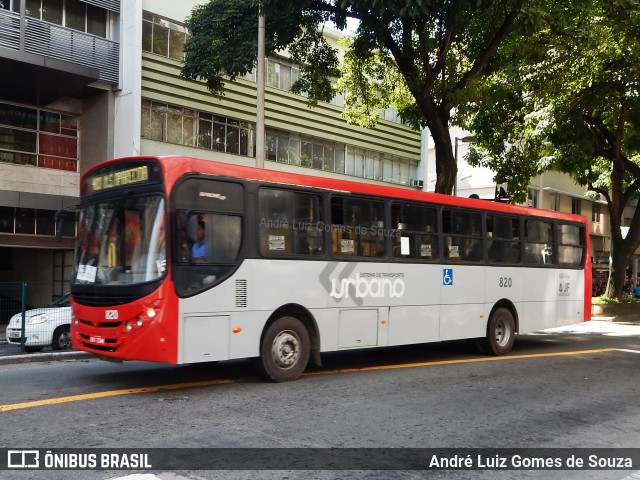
(15, 334)
(96, 339)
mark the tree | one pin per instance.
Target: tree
(437, 48)
(571, 101)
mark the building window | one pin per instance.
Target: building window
(313, 152)
(13, 5)
(576, 205)
(32, 221)
(282, 75)
(162, 36)
(184, 126)
(532, 198)
(554, 202)
(73, 14)
(596, 214)
(41, 138)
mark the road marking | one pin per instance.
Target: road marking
(208, 383)
(628, 351)
(113, 393)
(462, 360)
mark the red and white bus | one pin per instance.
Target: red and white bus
(183, 260)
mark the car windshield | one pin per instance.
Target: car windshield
(121, 241)
(62, 301)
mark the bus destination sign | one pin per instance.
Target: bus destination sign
(120, 178)
(120, 175)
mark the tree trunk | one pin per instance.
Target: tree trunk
(620, 255)
(446, 168)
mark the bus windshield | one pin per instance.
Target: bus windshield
(121, 241)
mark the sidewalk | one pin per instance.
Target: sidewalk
(11, 354)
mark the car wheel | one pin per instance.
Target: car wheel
(61, 338)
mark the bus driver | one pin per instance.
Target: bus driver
(199, 249)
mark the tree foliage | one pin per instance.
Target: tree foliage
(433, 52)
(223, 43)
(570, 100)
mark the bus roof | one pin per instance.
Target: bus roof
(175, 166)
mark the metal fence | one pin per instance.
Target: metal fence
(33, 319)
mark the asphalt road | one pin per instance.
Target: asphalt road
(573, 388)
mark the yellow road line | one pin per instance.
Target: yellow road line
(208, 383)
(112, 393)
(463, 360)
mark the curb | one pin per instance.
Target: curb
(45, 357)
(603, 319)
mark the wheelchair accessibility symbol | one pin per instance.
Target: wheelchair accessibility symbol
(447, 276)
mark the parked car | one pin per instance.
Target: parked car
(43, 327)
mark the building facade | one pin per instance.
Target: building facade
(89, 80)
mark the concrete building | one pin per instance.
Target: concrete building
(89, 80)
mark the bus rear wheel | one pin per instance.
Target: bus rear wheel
(284, 352)
(501, 333)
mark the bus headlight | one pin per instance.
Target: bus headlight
(127, 326)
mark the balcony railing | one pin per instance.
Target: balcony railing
(55, 41)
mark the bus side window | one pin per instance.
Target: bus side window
(414, 232)
(357, 227)
(462, 236)
(275, 221)
(539, 242)
(502, 239)
(290, 223)
(307, 224)
(570, 245)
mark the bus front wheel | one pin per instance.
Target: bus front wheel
(284, 352)
(501, 333)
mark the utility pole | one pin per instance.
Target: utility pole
(260, 134)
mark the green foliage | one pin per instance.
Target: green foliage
(570, 100)
(223, 43)
(370, 84)
(560, 103)
(423, 57)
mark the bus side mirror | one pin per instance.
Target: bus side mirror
(65, 214)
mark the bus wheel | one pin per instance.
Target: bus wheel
(501, 333)
(284, 352)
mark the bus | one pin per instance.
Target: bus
(183, 260)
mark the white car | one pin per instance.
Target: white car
(43, 327)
